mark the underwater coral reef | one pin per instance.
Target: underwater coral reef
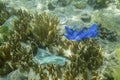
(32, 48)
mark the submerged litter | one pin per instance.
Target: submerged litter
(84, 33)
(44, 57)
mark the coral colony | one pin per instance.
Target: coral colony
(82, 34)
(34, 46)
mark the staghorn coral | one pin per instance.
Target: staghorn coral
(89, 56)
(22, 25)
(3, 33)
(4, 14)
(40, 30)
(14, 56)
(4, 57)
(21, 58)
(85, 56)
(45, 28)
(87, 50)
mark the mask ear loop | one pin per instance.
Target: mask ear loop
(34, 48)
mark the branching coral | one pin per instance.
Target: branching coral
(87, 50)
(14, 56)
(4, 57)
(3, 32)
(40, 31)
(4, 14)
(45, 28)
(85, 56)
(22, 26)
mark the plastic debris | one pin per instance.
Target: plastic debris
(45, 57)
(84, 33)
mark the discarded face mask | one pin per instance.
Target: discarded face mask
(84, 33)
(44, 57)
